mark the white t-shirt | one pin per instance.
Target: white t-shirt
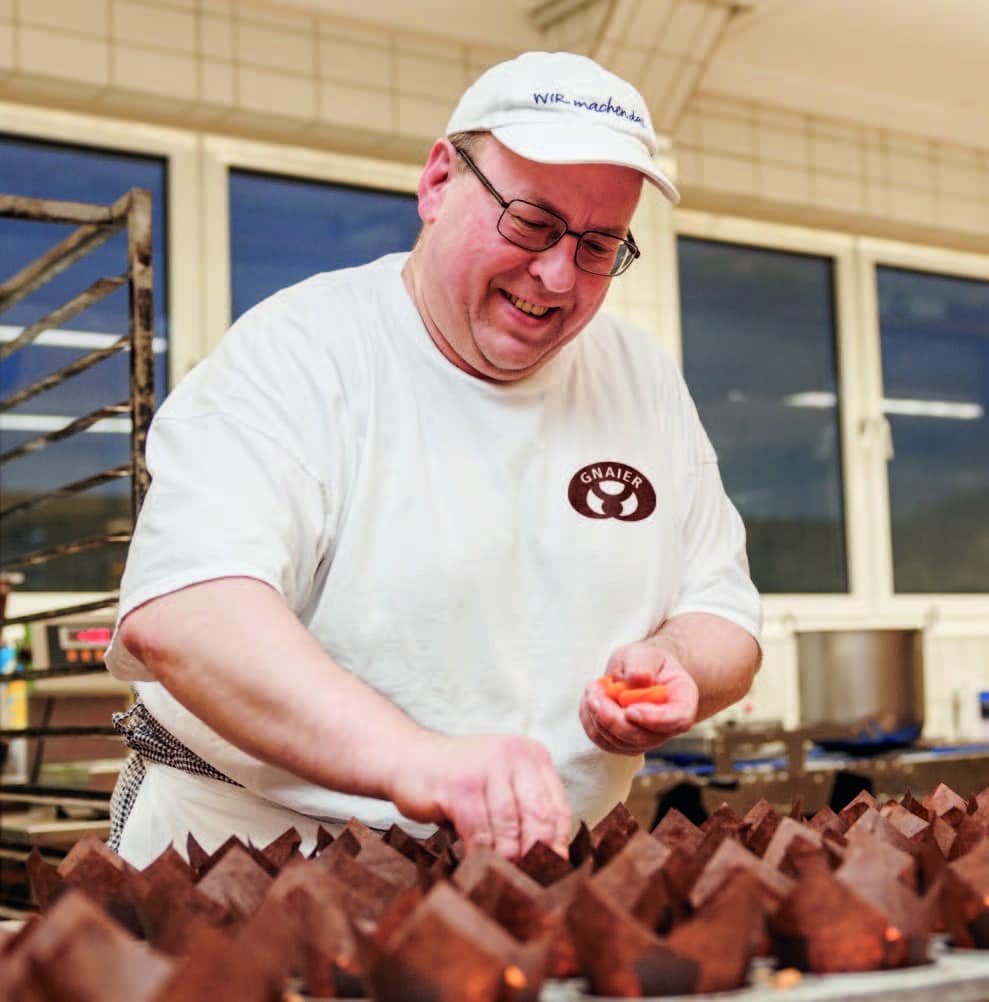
(473, 551)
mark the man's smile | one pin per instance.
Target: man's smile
(531, 309)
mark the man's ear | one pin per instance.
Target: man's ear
(441, 167)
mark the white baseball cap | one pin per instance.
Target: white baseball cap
(563, 108)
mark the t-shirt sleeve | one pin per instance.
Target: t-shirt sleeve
(226, 500)
(242, 457)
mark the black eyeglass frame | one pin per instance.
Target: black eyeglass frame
(629, 241)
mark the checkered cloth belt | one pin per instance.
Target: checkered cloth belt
(151, 742)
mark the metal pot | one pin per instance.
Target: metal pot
(871, 681)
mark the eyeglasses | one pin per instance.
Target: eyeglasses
(534, 228)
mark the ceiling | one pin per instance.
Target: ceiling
(914, 66)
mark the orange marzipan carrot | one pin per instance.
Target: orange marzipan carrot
(613, 686)
(618, 690)
(647, 694)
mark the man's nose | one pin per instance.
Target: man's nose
(555, 267)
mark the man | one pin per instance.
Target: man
(406, 515)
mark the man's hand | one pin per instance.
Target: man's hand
(499, 791)
(642, 726)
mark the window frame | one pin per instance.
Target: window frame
(222, 154)
(871, 254)
(838, 248)
(185, 286)
(870, 601)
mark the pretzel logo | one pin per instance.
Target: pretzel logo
(611, 490)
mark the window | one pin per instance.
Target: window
(934, 332)
(283, 230)
(44, 170)
(760, 357)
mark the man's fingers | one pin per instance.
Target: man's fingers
(500, 791)
(674, 716)
(640, 726)
(468, 811)
(635, 663)
(591, 718)
(606, 739)
(632, 730)
(640, 729)
(504, 811)
(543, 808)
(562, 821)
(612, 721)
(660, 719)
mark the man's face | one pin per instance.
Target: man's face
(495, 310)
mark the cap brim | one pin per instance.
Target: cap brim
(563, 143)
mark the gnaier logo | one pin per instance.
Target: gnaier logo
(611, 490)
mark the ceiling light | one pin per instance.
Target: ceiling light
(954, 410)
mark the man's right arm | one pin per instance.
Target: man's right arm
(212, 646)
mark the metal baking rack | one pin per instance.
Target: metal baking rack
(93, 225)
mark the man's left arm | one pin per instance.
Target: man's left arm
(704, 661)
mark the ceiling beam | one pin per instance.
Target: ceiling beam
(661, 46)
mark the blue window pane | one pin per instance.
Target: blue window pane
(283, 230)
(935, 351)
(760, 357)
(45, 170)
